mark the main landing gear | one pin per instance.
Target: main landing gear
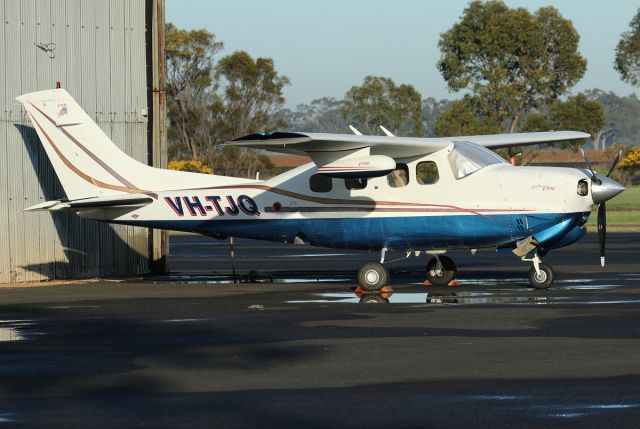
(441, 270)
(373, 276)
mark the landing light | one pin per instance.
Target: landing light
(583, 188)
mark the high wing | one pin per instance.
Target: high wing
(319, 145)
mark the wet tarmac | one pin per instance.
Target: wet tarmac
(293, 346)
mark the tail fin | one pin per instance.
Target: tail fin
(87, 162)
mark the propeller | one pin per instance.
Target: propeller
(606, 192)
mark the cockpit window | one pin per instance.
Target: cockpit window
(466, 158)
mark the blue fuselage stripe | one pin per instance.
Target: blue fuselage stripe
(372, 233)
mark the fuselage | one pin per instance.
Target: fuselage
(423, 205)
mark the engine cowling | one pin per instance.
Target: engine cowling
(359, 167)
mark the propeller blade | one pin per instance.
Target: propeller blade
(615, 162)
(586, 160)
(602, 230)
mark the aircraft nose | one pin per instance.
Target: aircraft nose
(604, 188)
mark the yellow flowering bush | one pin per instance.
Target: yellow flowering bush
(631, 160)
(190, 165)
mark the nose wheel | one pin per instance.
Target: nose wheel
(541, 276)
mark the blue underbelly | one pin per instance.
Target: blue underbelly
(420, 232)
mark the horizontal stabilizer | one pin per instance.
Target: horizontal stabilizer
(132, 200)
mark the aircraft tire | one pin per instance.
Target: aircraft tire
(373, 276)
(447, 273)
(544, 280)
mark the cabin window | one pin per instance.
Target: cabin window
(427, 173)
(320, 183)
(355, 183)
(398, 177)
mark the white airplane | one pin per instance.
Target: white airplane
(377, 193)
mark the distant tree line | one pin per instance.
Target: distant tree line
(515, 68)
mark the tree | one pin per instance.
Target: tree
(576, 113)
(467, 116)
(249, 98)
(431, 110)
(378, 101)
(322, 115)
(627, 61)
(251, 92)
(211, 103)
(629, 163)
(511, 60)
(621, 113)
(190, 59)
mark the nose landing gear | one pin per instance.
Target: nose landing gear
(541, 276)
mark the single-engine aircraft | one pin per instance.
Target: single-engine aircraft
(377, 193)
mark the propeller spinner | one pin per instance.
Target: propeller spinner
(602, 189)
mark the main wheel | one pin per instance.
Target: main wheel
(542, 280)
(441, 277)
(373, 276)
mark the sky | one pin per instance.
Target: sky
(327, 46)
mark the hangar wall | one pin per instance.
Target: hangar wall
(100, 52)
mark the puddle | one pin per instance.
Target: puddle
(313, 255)
(182, 320)
(499, 397)
(11, 330)
(591, 287)
(65, 307)
(190, 279)
(460, 298)
(6, 418)
(567, 415)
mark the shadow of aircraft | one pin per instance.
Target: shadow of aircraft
(90, 248)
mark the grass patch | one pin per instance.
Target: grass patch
(627, 217)
(629, 199)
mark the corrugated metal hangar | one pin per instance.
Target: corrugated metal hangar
(109, 55)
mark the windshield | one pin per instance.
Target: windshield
(466, 158)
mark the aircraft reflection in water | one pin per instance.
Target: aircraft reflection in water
(375, 193)
(461, 298)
